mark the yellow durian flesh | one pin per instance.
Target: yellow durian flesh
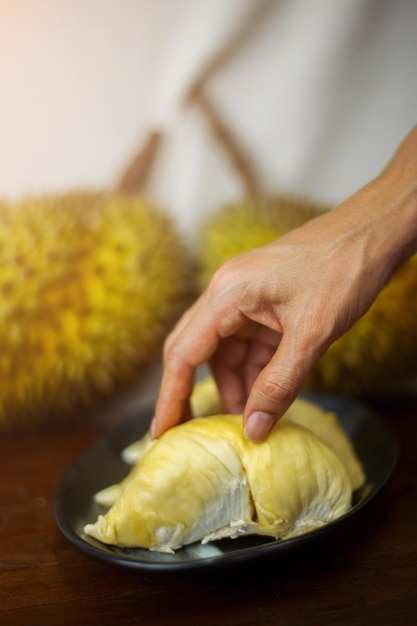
(326, 427)
(205, 400)
(203, 480)
(130, 455)
(296, 481)
(188, 484)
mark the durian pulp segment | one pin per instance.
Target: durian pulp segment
(184, 487)
(136, 450)
(109, 495)
(205, 400)
(297, 483)
(326, 427)
(202, 480)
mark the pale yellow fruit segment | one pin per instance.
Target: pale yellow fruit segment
(203, 480)
(326, 427)
(205, 400)
(188, 484)
(296, 482)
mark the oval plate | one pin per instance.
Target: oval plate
(101, 465)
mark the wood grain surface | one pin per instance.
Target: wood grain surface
(366, 574)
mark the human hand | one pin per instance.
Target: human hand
(269, 314)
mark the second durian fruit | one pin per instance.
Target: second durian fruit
(89, 285)
(379, 353)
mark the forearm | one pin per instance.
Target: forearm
(386, 208)
(398, 182)
(375, 228)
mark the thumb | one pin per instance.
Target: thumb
(275, 389)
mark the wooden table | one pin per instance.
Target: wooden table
(366, 574)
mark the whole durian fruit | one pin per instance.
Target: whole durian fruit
(379, 353)
(89, 285)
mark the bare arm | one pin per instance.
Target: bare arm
(269, 314)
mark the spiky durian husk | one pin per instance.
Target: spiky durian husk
(89, 285)
(379, 352)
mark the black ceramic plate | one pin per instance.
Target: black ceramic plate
(101, 465)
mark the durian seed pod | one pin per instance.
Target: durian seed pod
(379, 353)
(90, 284)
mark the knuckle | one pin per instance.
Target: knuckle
(171, 350)
(228, 275)
(221, 279)
(280, 387)
(311, 343)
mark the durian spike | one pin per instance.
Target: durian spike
(90, 284)
(373, 358)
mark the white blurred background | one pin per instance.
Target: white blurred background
(75, 88)
(319, 96)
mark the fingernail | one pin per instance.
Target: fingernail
(152, 428)
(258, 426)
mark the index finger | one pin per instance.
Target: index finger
(172, 405)
(190, 344)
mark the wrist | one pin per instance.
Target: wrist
(385, 210)
(397, 190)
